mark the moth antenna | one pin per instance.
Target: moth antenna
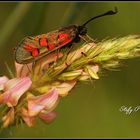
(111, 12)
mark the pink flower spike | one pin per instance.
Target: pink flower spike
(3, 80)
(46, 101)
(15, 88)
(48, 117)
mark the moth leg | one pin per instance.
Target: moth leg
(85, 38)
(28, 68)
(70, 48)
(86, 42)
(33, 66)
(90, 38)
(57, 57)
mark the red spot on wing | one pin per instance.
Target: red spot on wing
(28, 48)
(64, 38)
(34, 51)
(42, 42)
(51, 46)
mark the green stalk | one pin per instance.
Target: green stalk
(106, 54)
(11, 24)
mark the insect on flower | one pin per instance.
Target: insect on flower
(33, 48)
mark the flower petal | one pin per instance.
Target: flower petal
(8, 118)
(91, 72)
(46, 101)
(3, 80)
(23, 70)
(27, 119)
(65, 87)
(15, 89)
(34, 108)
(95, 68)
(43, 63)
(47, 117)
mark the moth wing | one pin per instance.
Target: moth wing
(22, 55)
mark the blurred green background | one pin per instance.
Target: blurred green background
(92, 109)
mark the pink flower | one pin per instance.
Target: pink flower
(41, 106)
(14, 89)
(11, 90)
(47, 101)
(47, 117)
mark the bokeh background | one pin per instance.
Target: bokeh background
(92, 109)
